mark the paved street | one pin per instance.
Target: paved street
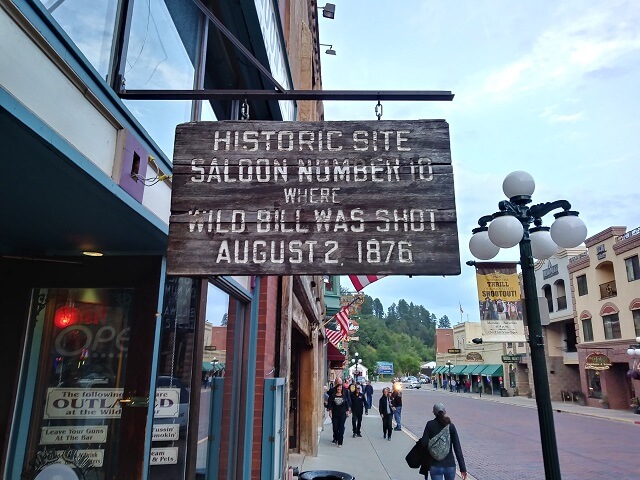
(502, 440)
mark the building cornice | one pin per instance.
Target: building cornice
(604, 235)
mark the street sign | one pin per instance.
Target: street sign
(355, 339)
(511, 358)
(296, 198)
(454, 350)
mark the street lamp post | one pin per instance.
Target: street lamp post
(509, 227)
(356, 362)
(449, 364)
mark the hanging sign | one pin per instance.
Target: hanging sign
(597, 361)
(283, 198)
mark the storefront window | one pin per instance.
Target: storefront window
(82, 338)
(593, 380)
(177, 340)
(161, 56)
(90, 25)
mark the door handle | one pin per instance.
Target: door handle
(139, 402)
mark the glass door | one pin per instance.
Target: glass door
(82, 340)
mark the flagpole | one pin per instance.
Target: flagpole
(334, 315)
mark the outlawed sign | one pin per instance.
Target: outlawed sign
(281, 198)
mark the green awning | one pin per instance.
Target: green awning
(492, 371)
(437, 369)
(476, 369)
(218, 366)
(207, 367)
(456, 370)
(468, 369)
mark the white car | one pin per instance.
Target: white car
(412, 382)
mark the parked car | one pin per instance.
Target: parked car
(412, 382)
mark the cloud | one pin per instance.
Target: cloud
(553, 117)
(579, 45)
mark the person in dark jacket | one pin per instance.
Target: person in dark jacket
(338, 407)
(397, 413)
(386, 408)
(357, 407)
(444, 469)
(368, 393)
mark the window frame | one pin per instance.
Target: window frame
(635, 268)
(589, 330)
(610, 331)
(582, 285)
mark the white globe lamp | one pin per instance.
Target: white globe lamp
(568, 231)
(518, 183)
(481, 247)
(505, 231)
(542, 245)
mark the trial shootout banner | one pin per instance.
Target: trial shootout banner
(282, 198)
(500, 301)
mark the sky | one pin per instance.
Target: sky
(547, 87)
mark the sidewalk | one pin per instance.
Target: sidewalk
(373, 457)
(369, 457)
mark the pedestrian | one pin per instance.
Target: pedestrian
(444, 384)
(452, 384)
(397, 413)
(458, 386)
(368, 392)
(338, 411)
(445, 468)
(467, 386)
(386, 408)
(357, 407)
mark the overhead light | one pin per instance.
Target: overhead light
(330, 50)
(93, 254)
(329, 10)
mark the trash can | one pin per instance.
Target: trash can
(325, 475)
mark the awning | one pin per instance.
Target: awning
(218, 366)
(492, 371)
(333, 354)
(477, 369)
(439, 369)
(468, 369)
(456, 370)
(207, 366)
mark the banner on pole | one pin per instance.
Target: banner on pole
(500, 302)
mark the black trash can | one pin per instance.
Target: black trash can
(325, 475)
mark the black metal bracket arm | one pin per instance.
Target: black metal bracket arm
(319, 95)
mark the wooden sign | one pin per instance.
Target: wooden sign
(454, 350)
(281, 198)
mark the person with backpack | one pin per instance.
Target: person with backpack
(440, 439)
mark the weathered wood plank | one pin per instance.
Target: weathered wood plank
(313, 197)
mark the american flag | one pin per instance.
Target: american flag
(361, 281)
(333, 336)
(342, 317)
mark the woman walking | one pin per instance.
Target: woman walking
(338, 407)
(386, 409)
(443, 467)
